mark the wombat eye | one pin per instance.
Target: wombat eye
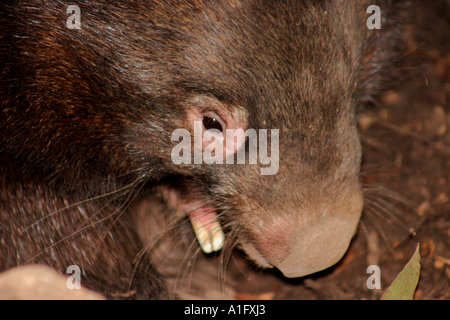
(212, 123)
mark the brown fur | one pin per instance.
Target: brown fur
(86, 118)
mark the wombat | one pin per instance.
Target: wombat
(88, 116)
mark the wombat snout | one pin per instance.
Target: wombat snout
(305, 240)
(318, 247)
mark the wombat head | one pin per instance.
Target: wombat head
(105, 101)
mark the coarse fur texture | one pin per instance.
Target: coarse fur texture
(87, 115)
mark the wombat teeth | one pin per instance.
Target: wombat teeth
(208, 231)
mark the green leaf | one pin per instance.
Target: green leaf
(404, 285)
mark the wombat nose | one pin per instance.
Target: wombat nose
(320, 246)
